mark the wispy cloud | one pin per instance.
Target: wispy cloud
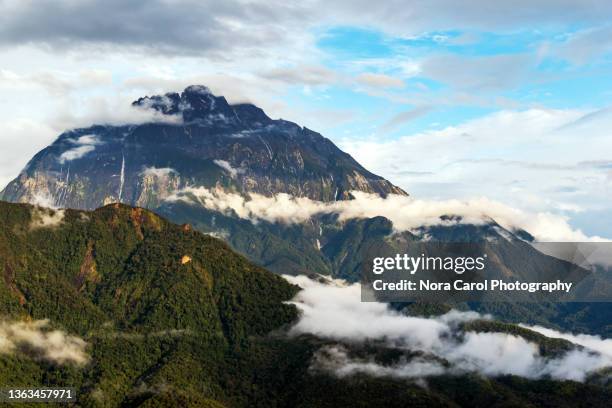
(38, 341)
(46, 216)
(482, 73)
(406, 116)
(159, 172)
(585, 46)
(83, 145)
(302, 75)
(55, 83)
(380, 80)
(225, 165)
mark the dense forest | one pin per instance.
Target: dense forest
(155, 314)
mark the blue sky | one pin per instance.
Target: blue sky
(545, 79)
(450, 100)
(539, 71)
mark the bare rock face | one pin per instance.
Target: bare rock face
(205, 142)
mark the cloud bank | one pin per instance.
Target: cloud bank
(406, 213)
(36, 340)
(443, 348)
(553, 160)
(211, 27)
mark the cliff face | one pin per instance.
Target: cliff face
(205, 142)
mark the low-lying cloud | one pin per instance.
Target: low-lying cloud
(406, 213)
(82, 146)
(232, 171)
(46, 218)
(158, 172)
(603, 346)
(336, 359)
(38, 341)
(443, 348)
(538, 160)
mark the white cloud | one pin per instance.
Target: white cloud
(582, 47)
(603, 346)
(336, 359)
(380, 80)
(76, 153)
(322, 306)
(308, 75)
(159, 172)
(225, 165)
(82, 146)
(56, 83)
(43, 199)
(113, 110)
(406, 116)
(39, 341)
(46, 216)
(538, 160)
(406, 213)
(478, 73)
(21, 139)
(281, 207)
(234, 26)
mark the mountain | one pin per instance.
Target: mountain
(147, 294)
(143, 312)
(324, 245)
(133, 268)
(199, 141)
(202, 141)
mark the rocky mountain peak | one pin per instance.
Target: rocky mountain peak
(198, 90)
(214, 144)
(197, 103)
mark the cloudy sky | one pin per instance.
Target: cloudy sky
(505, 100)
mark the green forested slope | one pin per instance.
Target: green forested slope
(173, 317)
(155, 301)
